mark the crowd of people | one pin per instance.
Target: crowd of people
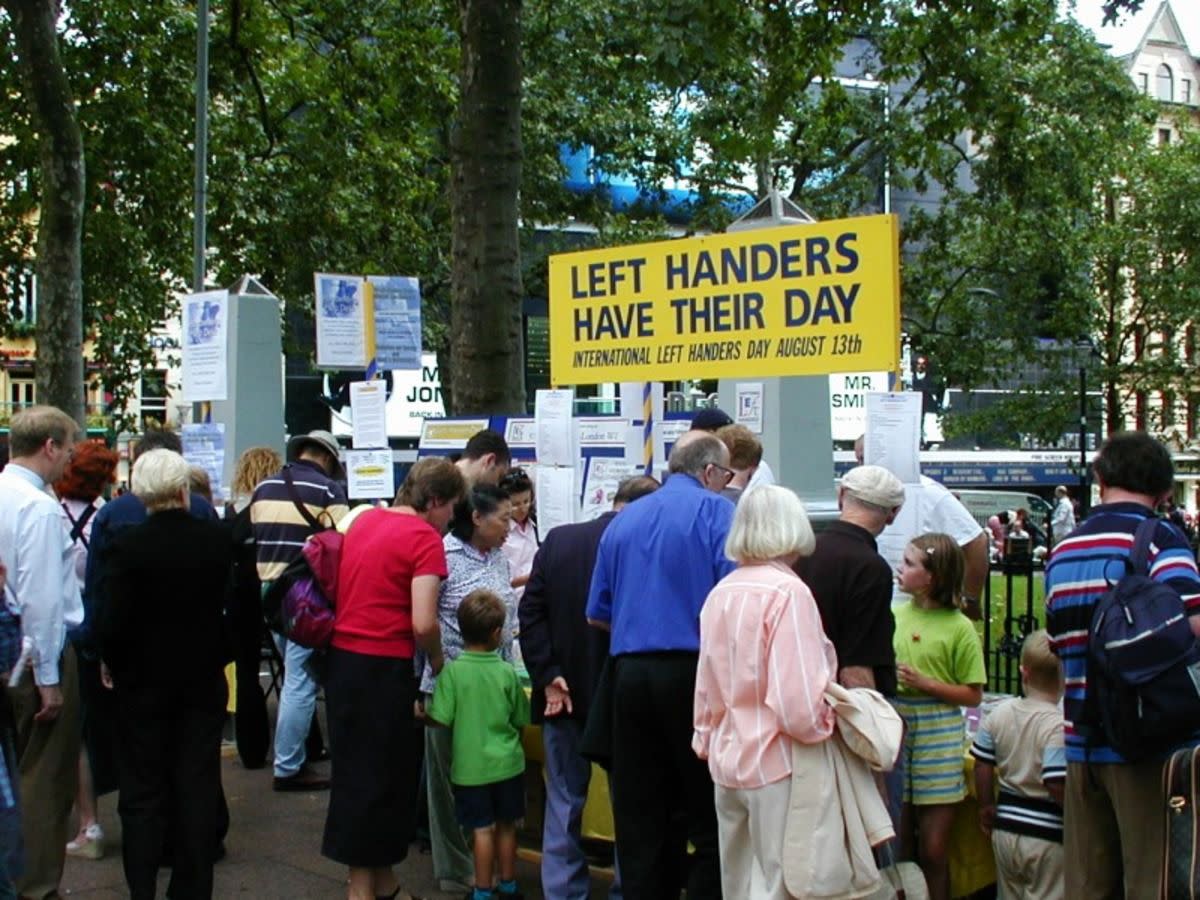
(699, 641)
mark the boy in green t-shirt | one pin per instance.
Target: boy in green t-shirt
(480, 698)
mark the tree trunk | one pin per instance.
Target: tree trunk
(60, 220)
(486, 340)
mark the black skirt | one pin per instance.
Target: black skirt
(373, 791)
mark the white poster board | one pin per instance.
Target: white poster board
(893, 436)
(749, 410)
(206, 346)
(341, 321)
(397, 319)
(554, 490)
(368, 405)
(369, 474)
(555, 428)
(603, 476)
(204, 446)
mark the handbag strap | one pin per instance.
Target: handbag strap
(77, 525)
(300, 506)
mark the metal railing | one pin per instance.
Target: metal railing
(1021, 618)
(97, 416)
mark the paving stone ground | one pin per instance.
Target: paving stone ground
(273, 850)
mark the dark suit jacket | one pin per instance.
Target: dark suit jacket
(555, 636)
(162, 624)
(120, 512)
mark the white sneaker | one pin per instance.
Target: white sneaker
(88, 844)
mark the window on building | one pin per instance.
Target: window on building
(21, 392)
(1164, 136)
(1189, 345)
(18, 288)
(1193, 416)
(1144, 82)
(1166, 401)
(154, 397)
(1185, 90)
(1166, 84)
(1139, 341)
(1140, 405)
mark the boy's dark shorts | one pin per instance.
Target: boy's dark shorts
(481, 805)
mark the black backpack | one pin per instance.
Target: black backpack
(1143, 687)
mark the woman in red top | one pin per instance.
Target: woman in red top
(391, 567)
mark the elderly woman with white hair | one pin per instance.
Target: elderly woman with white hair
(159, 628)
(765, 664)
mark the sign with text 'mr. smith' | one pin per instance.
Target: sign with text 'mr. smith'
(797, 300)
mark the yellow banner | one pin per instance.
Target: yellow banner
(797, 300)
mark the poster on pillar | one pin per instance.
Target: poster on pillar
(206, 346)
(810, 299)
(345, 321)
(397, 308)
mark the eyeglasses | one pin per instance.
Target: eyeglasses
(726, 473)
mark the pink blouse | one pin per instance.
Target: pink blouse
(519, 549)
(764, 665)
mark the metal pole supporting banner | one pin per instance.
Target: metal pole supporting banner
(1084, 493)
(647, 428)
(200, 224)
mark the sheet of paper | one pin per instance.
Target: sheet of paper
(555, 494)
(520, 433)
(341, 321)
(204, 446)
(369, 474)
(368, 407)
(397, 321)
(555, 432)
(750, 406)
(206, 346)
(603, 476)
(893, 436)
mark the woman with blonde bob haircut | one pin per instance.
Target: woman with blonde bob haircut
(765, 664)
(162, 480)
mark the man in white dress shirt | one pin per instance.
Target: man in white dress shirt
(42, 595)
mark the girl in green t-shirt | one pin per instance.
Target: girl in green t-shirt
(939, 666)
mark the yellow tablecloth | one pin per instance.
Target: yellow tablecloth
(972, 865)
(597, 812)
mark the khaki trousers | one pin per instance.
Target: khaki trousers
(1027, 868)
(1114, 830)
(751, 826)
(48, 763)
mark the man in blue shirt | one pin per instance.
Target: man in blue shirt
(1114, 837)
(656, 564)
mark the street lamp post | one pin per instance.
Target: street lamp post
(1084, 489)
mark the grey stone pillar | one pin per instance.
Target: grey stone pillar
(253, 412)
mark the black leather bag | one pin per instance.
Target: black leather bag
(1181, 853)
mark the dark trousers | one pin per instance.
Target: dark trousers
(252, 730)
(662, 794)
(169, 759)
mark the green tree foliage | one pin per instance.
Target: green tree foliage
(60, 175)
(331, 149)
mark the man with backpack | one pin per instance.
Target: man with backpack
(1114, 822)
(302, 499)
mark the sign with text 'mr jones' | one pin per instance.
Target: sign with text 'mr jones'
(797, 300)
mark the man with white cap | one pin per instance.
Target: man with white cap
(852, 583)
(286, 508)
